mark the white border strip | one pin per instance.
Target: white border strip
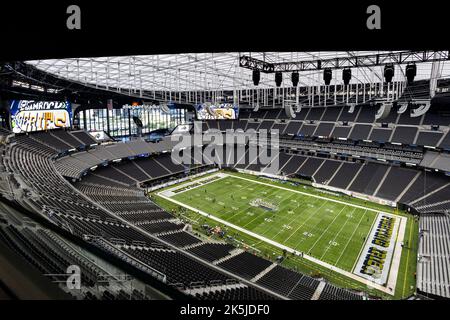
(202, 182)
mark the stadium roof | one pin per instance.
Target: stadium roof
(209, 71)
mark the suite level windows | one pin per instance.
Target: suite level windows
(119, 122)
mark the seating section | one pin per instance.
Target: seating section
(324, 129)
(305, 289)
(128, 172)
(369, 178)
(114, 174)
(346, 115)
(429, 138)
(405, 135)
(47, 253)
(434, 202)
(433, 266)
(245, 265)
(113, 208)
(74, 165)
(51, 255)
(345, 175)
(293, 164)
(177, 267)
(395, 183)
(326, 171)
(51, 141)
(132, 170)
(60, 203)
(84, 137)
(240, 293)
(331, 292)
(266, 125)
(285, 282)
(331, 114)
(161, 227)
(366, 114)
(360, 132)
(445, 144)
(212, 251)
(436, 118)
(341, 132)
(424, 185)
(328, 121)
(315, 113)
(380, 135)
(310, 166)
(152, 168)
(4, 132)
(307, 130)
(293, 128)
(67, 137)
(180, 239)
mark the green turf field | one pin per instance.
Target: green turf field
(331, 232)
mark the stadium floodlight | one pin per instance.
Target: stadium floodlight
(346, 75)
(295, 78)
(256, 76)
(278, 78)
(411, 71)
(389, 72)
(327, 76)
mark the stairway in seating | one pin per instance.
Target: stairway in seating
(233, 253)
(263, 273)
(191, 246)
(318, 291)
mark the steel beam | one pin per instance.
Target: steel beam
(364, 61)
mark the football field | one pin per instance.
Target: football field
(333, 232)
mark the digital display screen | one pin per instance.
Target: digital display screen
(30, 115)
(224, 111)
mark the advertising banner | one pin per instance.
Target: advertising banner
(30, 115)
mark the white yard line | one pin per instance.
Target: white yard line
(288, 224)
(351, 237)
(325, 231)
(337, 234)
(312, 215)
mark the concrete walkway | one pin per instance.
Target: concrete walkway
(318, 291)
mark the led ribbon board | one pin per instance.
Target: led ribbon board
(224, 111)
(30, 115)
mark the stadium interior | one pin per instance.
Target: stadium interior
(94, 206)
